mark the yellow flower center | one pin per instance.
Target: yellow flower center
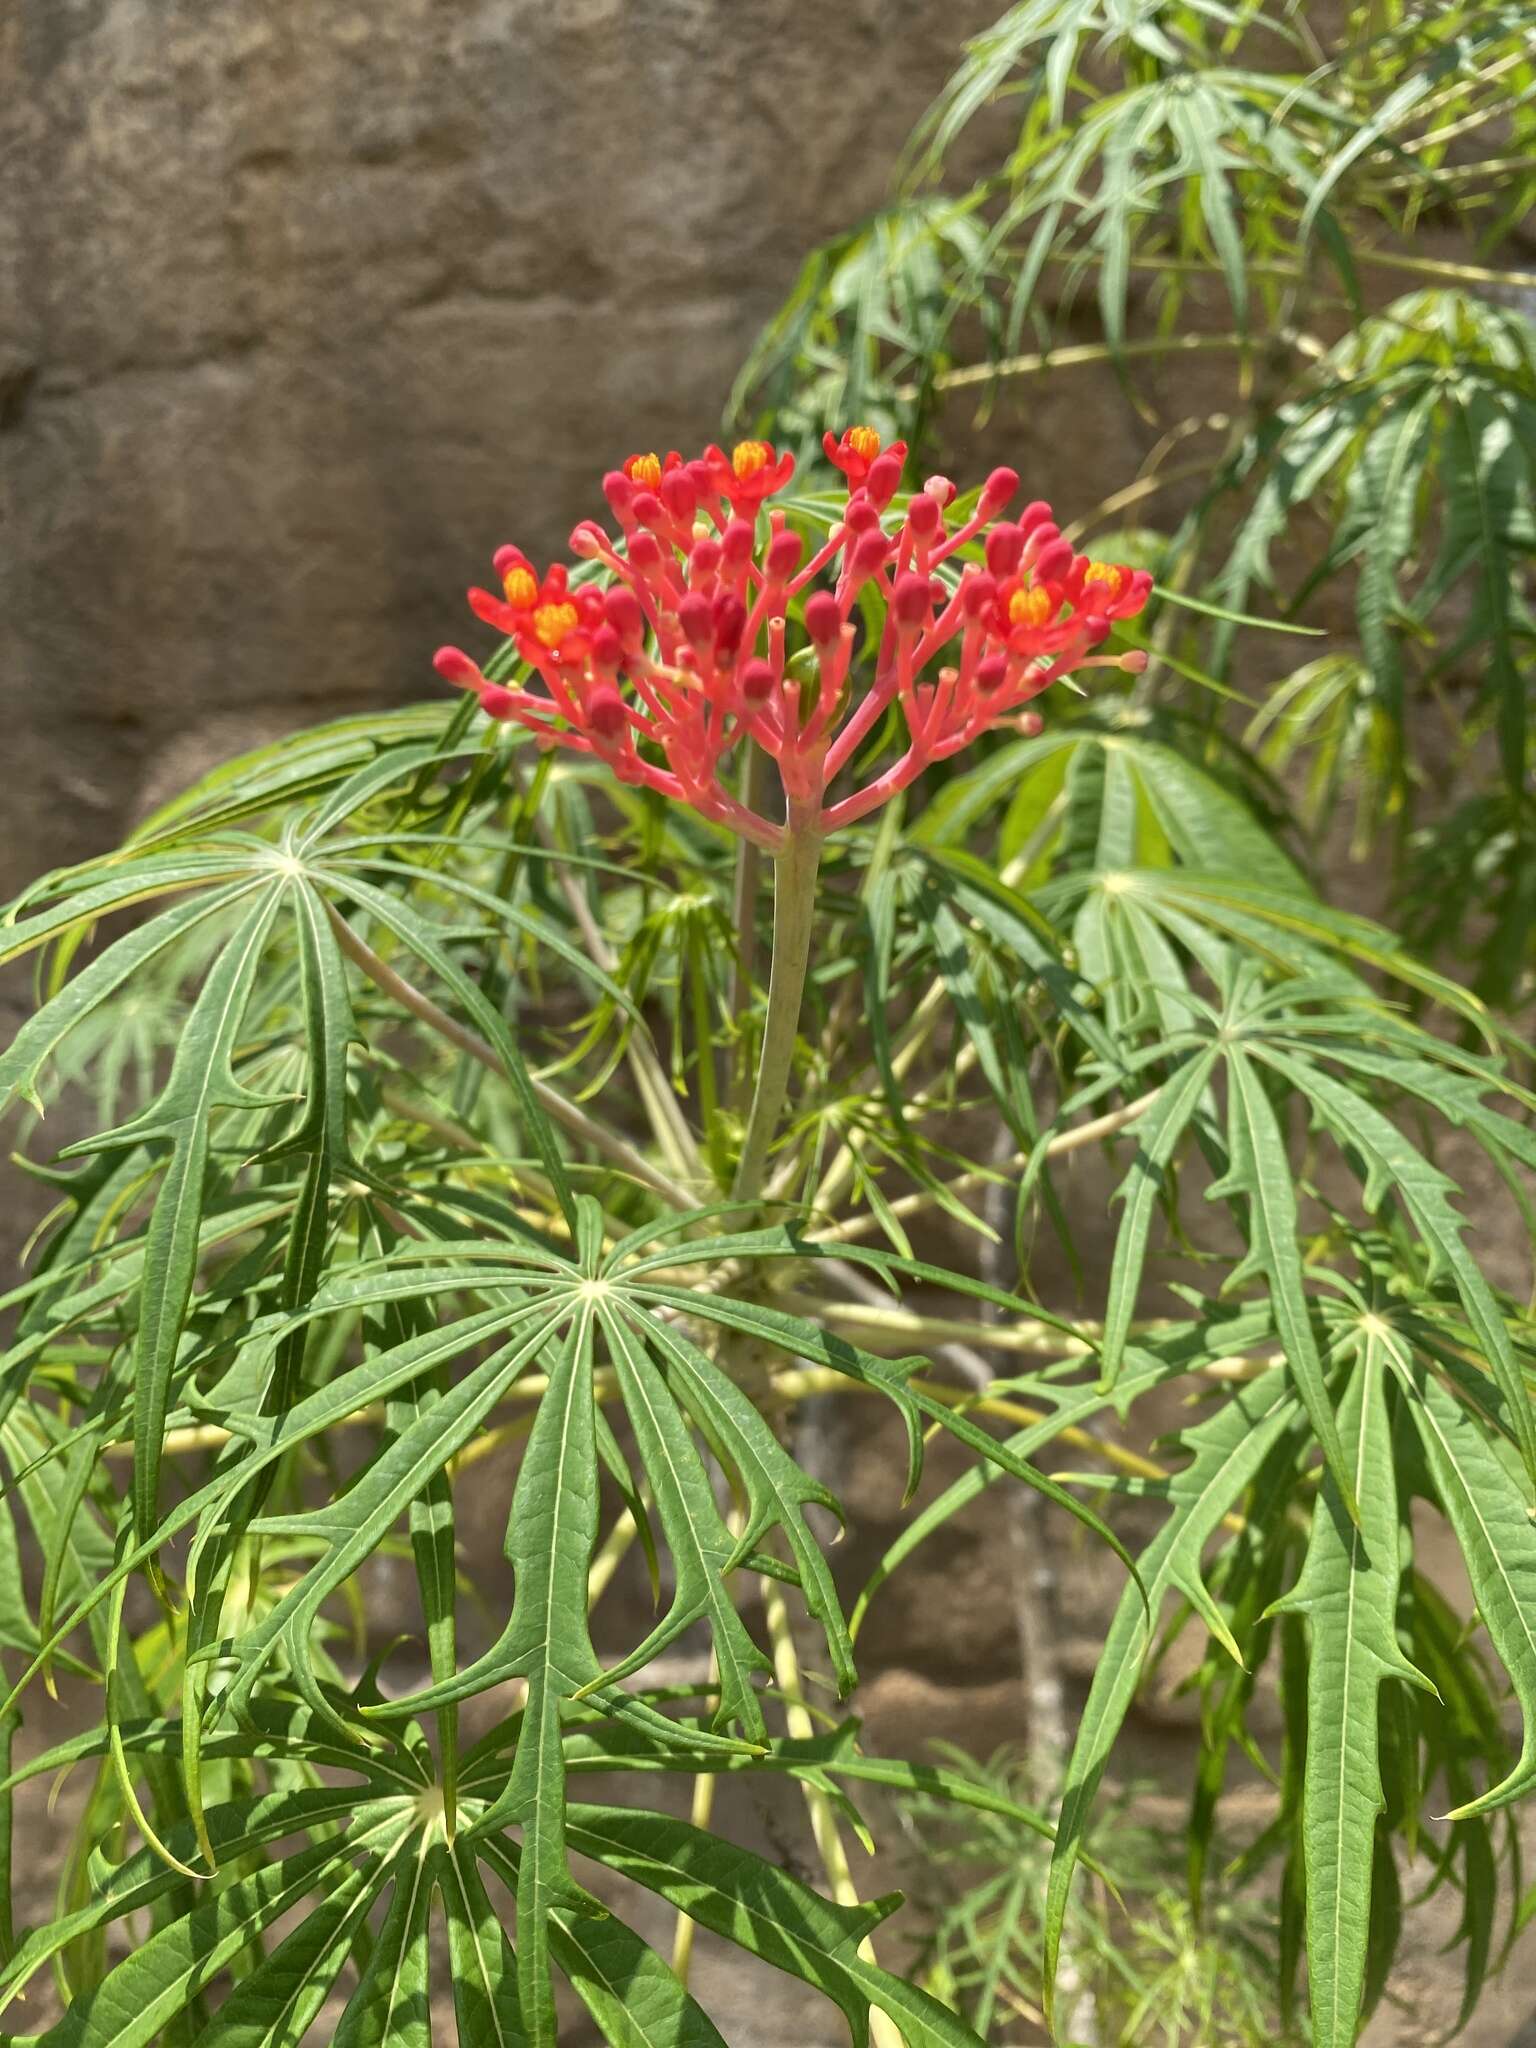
(1031, 607)
(1108, 573)
(863, 441)
(521, 586)
(553, 623)
(748, 457)
(644, 470)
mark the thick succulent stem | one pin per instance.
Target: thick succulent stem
(794, 913)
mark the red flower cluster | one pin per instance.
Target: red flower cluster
(689, 648)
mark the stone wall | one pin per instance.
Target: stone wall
(305, 306)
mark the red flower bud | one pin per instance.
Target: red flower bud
(923, 514)
(619, 491)
(607, 647)
(1096, 626)
(912, 600)
(1005, 544)
(860, 515)
(624, 613)
(605, 711)
(736, 541)
(497, 702)
(784, 552)
(695, 615)
(1035, 513)
(999, 488)
(644, 551)
(756, 681)
(679, 496)
(941, 490)
(704, 560)
(823, 620)
(884, 479)
(647, 508)
(454, 666)
(991, 674)
(1053, 561)
(978, 590)
(508, 557)
(730, 622)
(870, 554)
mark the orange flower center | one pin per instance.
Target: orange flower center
(748, 457)
(521, 586)
(863, 441)
(1032, 607)
(553, 623)
(644, 470)
(1108, 573)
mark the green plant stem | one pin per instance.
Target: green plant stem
(794, 915)
(554, 1105)
(883, 2032)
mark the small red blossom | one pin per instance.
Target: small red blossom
(856, 450)
(645, 472)
(750, 475)
(719, 623)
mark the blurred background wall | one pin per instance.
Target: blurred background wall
(306, 306)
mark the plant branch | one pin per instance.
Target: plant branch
(1072, 1140)
(668, 1124)
(555, 1106)
(823, 1815)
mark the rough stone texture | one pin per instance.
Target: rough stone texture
(305, 307)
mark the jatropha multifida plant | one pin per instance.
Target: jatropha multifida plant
(483, 1143)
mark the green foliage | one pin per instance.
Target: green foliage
(422, 1064)
(1154, 1970)
(1218, 181)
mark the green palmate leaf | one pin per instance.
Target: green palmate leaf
(353, 1526)
(774, 1488)
(321, 1138)
(391, 2005)
(550, 1538)
(1157, 1133)
(135, 2005)
(298, 765)
(202, 1080)
(83, 903)
(1391, 1161)
(1258, 1169)
(425, 943)
(701, 1545)
(1348, 1591)
(1498, 1545)
(145, 1877)
(1226, 1453)
(95, 984)
(766, 1912)
(276, 2005)
(486, 2006)
(635, 1999)
(1069, 1407)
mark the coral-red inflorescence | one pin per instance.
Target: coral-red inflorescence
(717, 626)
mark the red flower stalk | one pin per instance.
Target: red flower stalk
(715, 627)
